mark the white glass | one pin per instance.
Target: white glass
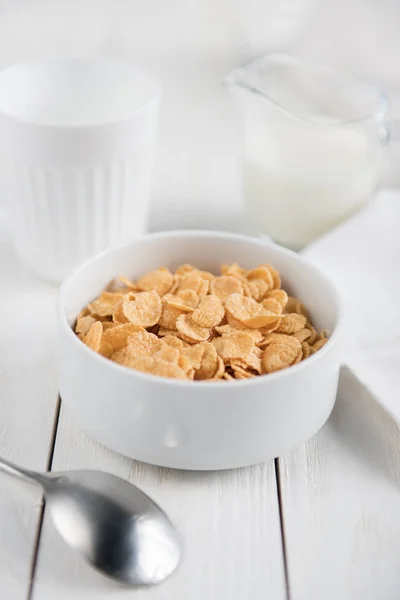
(313, 149)
(77, 143)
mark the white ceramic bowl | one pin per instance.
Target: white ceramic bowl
(197, 425)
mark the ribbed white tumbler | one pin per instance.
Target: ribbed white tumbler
(77, 146)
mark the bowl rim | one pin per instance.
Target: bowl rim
(178, 383)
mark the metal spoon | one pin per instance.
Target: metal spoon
(115, 526)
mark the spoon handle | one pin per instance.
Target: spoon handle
(19, 472)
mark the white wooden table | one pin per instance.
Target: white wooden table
(323, 521)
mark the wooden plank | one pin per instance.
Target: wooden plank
(341, 498)
(229, 521)
(28, 397)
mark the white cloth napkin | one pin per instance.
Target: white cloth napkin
(362, 257)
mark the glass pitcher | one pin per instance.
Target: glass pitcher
(313, 149)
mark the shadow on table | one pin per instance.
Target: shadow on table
(362, 425)
(358, 422)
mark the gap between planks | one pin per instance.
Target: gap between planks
(49, 465)
(282, 526)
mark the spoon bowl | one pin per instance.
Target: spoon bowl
(117, 528)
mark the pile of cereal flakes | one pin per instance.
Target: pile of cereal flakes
(195, 325)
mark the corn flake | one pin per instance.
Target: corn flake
(83, 324)
(168, 353)
(159, 281)
(302, 335)
(153, 365)
(144, 310)
(272, 305)
(144, 343)
(186, 268)
(173, 340)
(109, 325)
(129, 285)
(139, 344)
(209, 362)
(240, 372)
(306, 348)
(238, 345)
(276, 278)
(278, 295)
(190, 330)
(271, 327)
(227, 376)
(314, 335)
(298, 358)
(83, 313)
(194, 355)
(294, 305)
(220, 368)
(252, 361)
(318, 345)
(209, 313)
(191, 281)
(291, 323)
(204, 287)
(225, 285)
(93, 337)
(300, 309)
(263, 273)
(258, 288)
(233, 270)
(105, 304)
(278, 356)
(169, 315)
(249, 312)
(184, 301)
(234, 326)
(115, 338)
